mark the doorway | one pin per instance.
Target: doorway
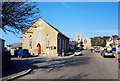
(38, 48)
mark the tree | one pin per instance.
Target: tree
(118, 46)
(104, 43)
(18, 16)
(93, 43)
(81, 44)
(111, 45)
(76, 44)
(114, 44)
(99, 43)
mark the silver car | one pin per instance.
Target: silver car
(108, 53)
(77, 52)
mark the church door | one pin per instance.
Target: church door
(38, 48)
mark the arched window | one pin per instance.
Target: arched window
(30, 42)
(85, 41)
(47, 41)
(39, 36)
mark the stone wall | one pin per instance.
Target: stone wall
(43, 29)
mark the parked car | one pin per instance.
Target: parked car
(93, 48)
(23, 53)
(97, 50)
(108, 53)
(77, 52)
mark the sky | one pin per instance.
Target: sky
(74, 0)
(88, 18)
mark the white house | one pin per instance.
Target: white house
(109, 42)
(16, 45)
(8, 47)
(112, 40)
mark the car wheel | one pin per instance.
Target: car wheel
(26, 56)
(20, 56)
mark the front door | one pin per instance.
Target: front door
(38, 48)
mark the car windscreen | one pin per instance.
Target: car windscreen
(109, 51)
(77, 51)
(25, 50)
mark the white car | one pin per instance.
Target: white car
(77, 52)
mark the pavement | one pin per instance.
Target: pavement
(87, 66)
(16, 75)
(23, 73)
(116, 55)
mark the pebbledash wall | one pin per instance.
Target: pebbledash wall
(51, 40)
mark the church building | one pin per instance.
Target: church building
(43, 38)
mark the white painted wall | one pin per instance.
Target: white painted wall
(108, 43)
(88, 44)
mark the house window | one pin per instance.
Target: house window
(47, 41)
(54, 47)
(30, 42)
(38, 36)
(85, 41)
(63, 44)
(60, 44)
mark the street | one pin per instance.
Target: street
(87, 66)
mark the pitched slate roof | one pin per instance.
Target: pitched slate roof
(9, 45)
(16, 45)
(114, 36)
(56, 29)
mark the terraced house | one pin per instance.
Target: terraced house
(46, 37)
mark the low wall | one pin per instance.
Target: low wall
(6, 61)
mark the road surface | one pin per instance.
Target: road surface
(87, 66)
